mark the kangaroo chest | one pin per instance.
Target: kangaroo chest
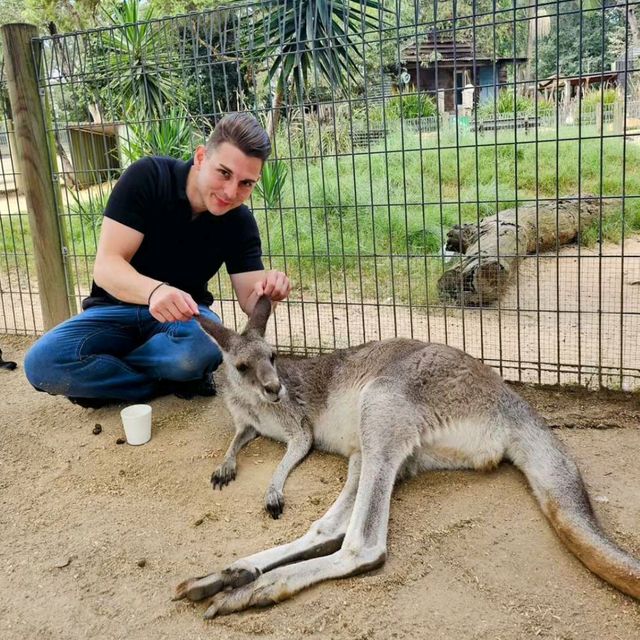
(263, 420)
(336, 427)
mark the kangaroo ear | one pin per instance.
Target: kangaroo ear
(260, 316)
(217, 331)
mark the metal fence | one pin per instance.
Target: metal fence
(19, 304)
(408, 123)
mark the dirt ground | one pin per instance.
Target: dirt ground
(470, 555)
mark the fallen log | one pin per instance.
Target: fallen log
(491, 250)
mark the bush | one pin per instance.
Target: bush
(593, 98)
(272, 181)
(507, 102)
(412, 105)
(173, 136)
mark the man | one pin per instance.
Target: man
(168, 227)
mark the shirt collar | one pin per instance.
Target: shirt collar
(181, 171)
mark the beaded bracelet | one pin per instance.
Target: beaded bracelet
(154, 290)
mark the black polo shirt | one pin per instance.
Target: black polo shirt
(178, 248)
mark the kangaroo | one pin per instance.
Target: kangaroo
(393, 408)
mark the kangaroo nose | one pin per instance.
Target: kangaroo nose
(273, 387)
(273, 391)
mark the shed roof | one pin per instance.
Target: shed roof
(449, 51)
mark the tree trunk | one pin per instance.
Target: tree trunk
(68, 171)
(274, 116)
(633, 27)
(492, 248)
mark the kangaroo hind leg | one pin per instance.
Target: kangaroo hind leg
(365, 542)
(324, 537)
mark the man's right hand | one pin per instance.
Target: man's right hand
(169, 304)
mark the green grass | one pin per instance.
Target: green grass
(402, 198)
(365, 225)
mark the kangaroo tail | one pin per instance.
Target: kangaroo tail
(560, 490)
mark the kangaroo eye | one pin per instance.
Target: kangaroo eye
(242, 368)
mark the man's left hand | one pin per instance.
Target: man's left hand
(276, 285)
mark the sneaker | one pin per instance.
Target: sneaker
(191, 388)
(91, 403)
(7, 364)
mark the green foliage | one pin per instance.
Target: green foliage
(84, 216)
(412, 105)
(593, 99)
(575, 42)
(315, 135)
(507, 102)
(344, 204)
(174, 135)
(296, 37)
(133, 60)
(272, 181)
(215, 84)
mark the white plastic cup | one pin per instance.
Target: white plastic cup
(136, 420)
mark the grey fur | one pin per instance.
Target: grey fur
(393, 408)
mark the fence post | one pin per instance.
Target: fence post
(35, 167)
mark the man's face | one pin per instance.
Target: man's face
(225, 178)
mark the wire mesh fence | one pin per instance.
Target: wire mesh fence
(398, 128)
(19, 307)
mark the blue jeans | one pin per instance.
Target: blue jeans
(120, 352)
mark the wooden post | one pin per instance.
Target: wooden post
(35, 167)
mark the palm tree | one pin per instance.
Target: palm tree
(299, 36)
(135, 61)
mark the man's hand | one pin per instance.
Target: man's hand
(276, 285)
(169, 304)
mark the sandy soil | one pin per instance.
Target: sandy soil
(470, 555)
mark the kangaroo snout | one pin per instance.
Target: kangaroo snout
(274, 391)
(272, 388)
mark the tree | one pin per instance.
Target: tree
(68, 15)
(133, 62)
(575, 41)
(539, 27)
(296, 37)
(175, 7)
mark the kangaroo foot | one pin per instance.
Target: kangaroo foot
(204, 586)
(261, 593)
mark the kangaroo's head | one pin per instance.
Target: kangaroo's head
(248, 357)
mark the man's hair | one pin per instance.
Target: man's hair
(243, 131)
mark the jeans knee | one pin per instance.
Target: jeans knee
(197, 362)
(39, 367)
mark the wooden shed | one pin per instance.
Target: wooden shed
(94, 152)
(447, 64)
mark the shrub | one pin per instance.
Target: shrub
(507, 102)
(173, 136)
(412, 105)
(272, 181)
(593, 98)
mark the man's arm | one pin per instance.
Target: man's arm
(113, 272)
(249, 286)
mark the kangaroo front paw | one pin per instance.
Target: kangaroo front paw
(274, 502)
(224, 474)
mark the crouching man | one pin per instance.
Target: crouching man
(168, 228)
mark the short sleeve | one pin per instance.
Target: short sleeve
(245, 252)
(130, 200)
